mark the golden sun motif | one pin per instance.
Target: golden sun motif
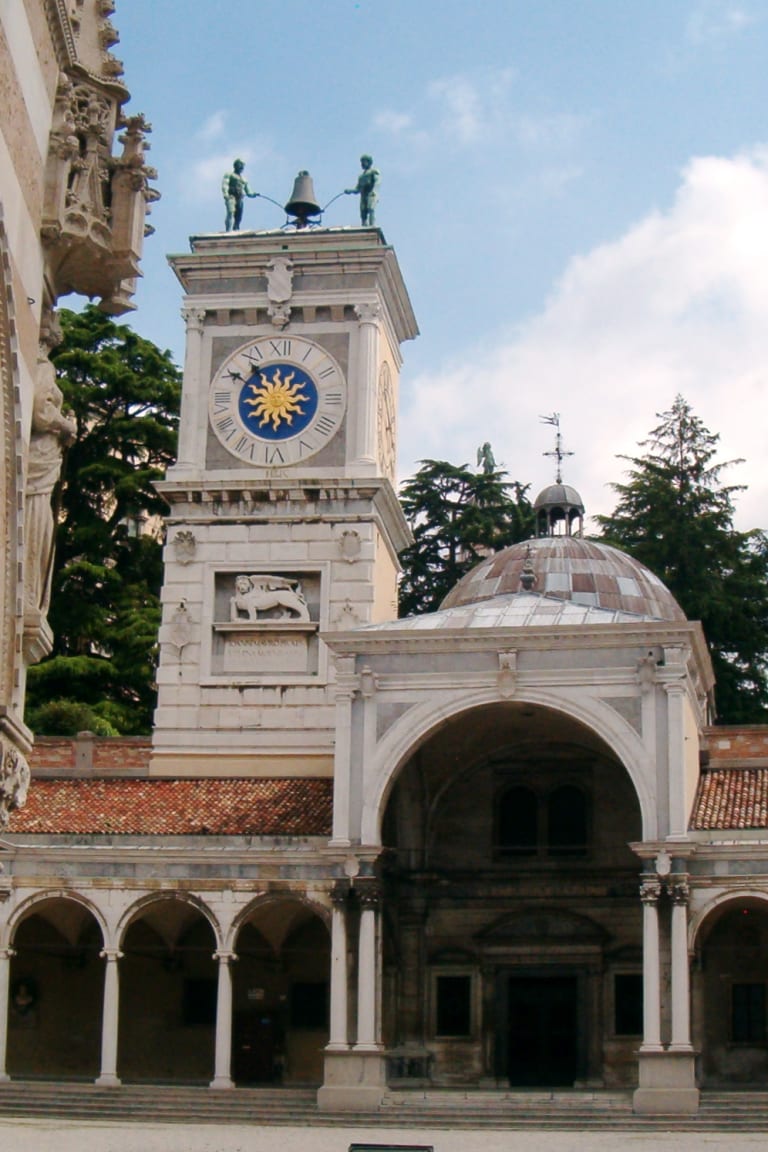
(276, 400)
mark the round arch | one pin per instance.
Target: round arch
(420, 722)
(30, 907)
(267, 899)
(56, 986)
(720, 903)
(144, 903)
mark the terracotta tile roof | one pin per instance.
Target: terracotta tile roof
(173, 807)
(731, 798)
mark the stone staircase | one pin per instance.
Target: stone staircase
(559, 1110)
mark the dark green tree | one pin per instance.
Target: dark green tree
(457, 517)
(675, 515)
(105, 608)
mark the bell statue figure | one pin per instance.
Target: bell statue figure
(367, 189)
(234, 189)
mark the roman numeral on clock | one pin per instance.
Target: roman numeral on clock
(325, 425)
(281, 347)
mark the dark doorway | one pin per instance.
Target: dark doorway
(542, 1030)
(255, 1048)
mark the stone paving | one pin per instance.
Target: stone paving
(64, 1136)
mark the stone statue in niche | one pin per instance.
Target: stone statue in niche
(52, 431)
(257, 594)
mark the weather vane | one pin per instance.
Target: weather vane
(558, 452)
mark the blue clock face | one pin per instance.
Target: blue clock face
(277, 401)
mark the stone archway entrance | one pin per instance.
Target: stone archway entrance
(280, 995)
(167, 995)
(730, 995)
(512, 918)
(56, 993)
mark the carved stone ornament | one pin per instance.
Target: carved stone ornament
(507, 678)
(260, 593)
(180, 630)
(184, 546)
(350, 545)
(14, 780)
(650, 890)
(368, 312)
(52, 431)
(279, 290)
(346, 615)
(94, 214)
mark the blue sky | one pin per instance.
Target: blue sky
(577, 191)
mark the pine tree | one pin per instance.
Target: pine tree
(675, 515)
(457, 517)
(105, 608)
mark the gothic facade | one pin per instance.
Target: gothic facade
(72, 219)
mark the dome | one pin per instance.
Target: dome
(584, 572)
(558, 504)
(560, 494)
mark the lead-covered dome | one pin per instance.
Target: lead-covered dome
(571, 568)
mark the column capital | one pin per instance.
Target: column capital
(7, 953)
(368, 312)
(194, 318)
(369, 895)
(340, 895)
(650, 890)
(679, 889)
(110, 954)
(225, 957)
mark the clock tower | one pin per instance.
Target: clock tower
(283, 523)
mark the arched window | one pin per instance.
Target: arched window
(518, 822)
(567, 820)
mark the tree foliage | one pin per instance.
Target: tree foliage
(457, 517)
(675, 515)
(105, 609)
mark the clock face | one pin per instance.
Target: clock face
(278, 400)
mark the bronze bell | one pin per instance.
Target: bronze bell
(302, 203)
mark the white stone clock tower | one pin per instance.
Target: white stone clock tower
(283, 518)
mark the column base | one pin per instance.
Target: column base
(354, 1080)
(221, 1082)
(667, 1084)
(108, 1080)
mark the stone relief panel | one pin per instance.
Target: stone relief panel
(10, 469)
(266, 623)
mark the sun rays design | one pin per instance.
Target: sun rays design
(277, 400)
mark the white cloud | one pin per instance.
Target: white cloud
(213, 127)
(677, 304)
(715, 20)
(461, 110)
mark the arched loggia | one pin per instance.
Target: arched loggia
(56, 991)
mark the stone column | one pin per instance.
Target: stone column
(346, 685)
(649, 894)
(369, 315)
(109, 1019)
(189, 453)
(354, 1074)
(339, 1037)
(666, 1076)
(222, 1075)
(5, 971)
(368, 971)
(681, 1004)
